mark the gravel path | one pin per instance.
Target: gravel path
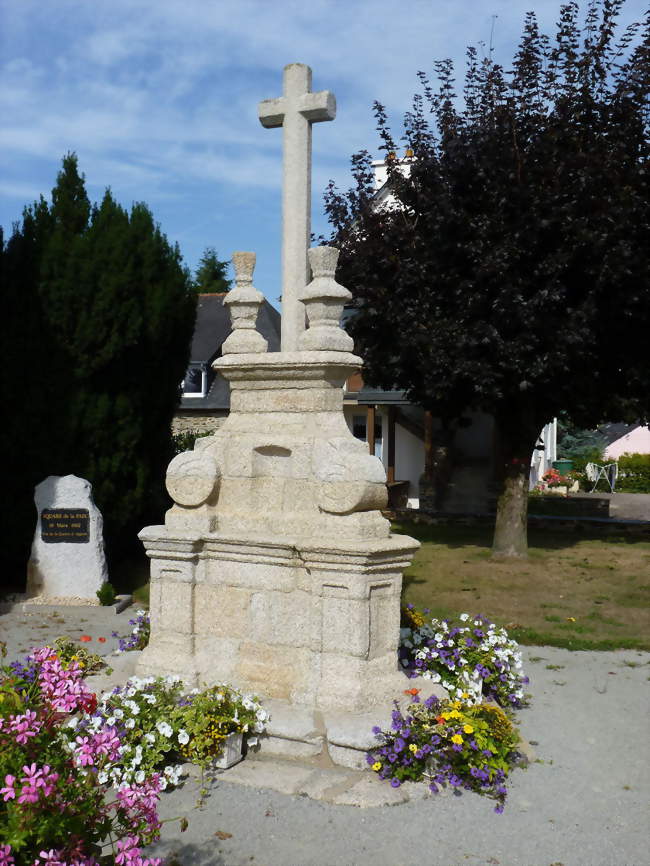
(583, 802)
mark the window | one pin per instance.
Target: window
(195, 382)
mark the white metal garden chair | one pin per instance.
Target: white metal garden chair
(608, 471)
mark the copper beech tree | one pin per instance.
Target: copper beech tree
(510, 274)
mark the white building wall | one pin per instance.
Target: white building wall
(409, 462)
(636, 442)
(409, 450)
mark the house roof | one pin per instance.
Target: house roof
(211, 327)
(613, 432)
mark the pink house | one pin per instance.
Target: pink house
(629, 439)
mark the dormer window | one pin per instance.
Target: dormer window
(195, 383)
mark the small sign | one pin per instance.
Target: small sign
(71, 525)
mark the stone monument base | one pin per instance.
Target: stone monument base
(336, 737)
(313, 624)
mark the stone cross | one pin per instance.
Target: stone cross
(295, 111)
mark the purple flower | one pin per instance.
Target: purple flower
(499, 808)
(376, 729)
(395, 783)
(433, 788)
(399, 745)
(392, 758)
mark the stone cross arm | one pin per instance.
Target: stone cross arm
(297, 98)
(315, 107)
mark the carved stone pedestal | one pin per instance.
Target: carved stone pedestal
(275, 570)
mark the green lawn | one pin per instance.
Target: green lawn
(575, 593)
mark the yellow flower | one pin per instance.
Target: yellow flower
(454, 714)
(457, 739)
(446, 716)
(465, 695)
(413, 747)
(376, 766)
(468, 729)
(456, 705)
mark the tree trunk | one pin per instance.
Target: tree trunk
(516, 441)
(511, 527)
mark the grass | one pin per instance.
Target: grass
(580, 593)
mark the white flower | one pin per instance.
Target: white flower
(165, 729)
(140, 776)
(119, 714)
(129, 723)
(150, 738)
(102, 777)
(464, 617)
(110, 720)
(183, 737)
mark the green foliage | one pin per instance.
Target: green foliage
(210, 277)
(513, 268)
(579, 446)
(211, 715)
(69, 651)
(633, 473)
(98, 317)
(185, 440)
(106, 594)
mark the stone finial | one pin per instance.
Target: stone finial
(244, 302)
(324, 299)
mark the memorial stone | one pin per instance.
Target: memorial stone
(67, 561)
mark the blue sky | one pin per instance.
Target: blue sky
(159, 99)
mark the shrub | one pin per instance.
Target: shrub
(106, 594)
(633, 473)
(185, 440)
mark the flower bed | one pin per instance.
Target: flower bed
(471, 659)
(75, 773)
(469, 747)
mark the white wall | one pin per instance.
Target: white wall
(635, 442)
(409, 451)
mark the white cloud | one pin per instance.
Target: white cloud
(158, 97)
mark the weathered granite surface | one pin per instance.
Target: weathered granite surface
(69, 571)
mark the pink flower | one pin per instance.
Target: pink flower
(5, 856)
(63, 688)
(140, 803)
(24, 726)
(9, 793)
(91, 750)
(53, 857)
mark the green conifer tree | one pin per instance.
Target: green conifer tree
(210, 277)
(101, 311)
